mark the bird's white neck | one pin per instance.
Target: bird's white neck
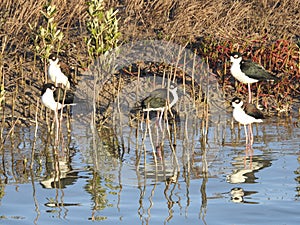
(48, 100)
(175, 97)
(236, 71)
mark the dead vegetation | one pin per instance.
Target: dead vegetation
(238, 21)
(264, 30)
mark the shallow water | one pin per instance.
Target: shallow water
(219, 182)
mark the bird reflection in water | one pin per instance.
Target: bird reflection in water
(246, 167)
(238, 195)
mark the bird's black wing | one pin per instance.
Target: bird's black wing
(256, 71)
(60, 96)
(69, 72)
(153, 102)
(157, 98)
(251, 110)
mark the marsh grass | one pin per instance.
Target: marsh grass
(263, 30)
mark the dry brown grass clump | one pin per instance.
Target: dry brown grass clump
(225, 19)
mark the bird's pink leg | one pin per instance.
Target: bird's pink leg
(250, 134)
(249, 93)
(246, 135)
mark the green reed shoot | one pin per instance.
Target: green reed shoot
(102, 27)
(48, 36)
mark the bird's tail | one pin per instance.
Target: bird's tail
(72, 104)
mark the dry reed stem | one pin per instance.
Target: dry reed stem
(35, 136)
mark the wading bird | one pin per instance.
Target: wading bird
(160, 100)
(246, 114)
(55, 98)
(248, 72)
(55, 73)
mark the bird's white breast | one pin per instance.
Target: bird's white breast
(56, 75)
(48, 100)
(239, 75)
(175, 97)
(52, 70)
(240, 116)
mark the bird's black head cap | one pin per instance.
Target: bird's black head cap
(236, 55)
(53, 57)
(46, 86)
(236, 100)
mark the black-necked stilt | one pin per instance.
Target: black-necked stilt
(54, 98)
(237, 194)
(55, 73)
(248, 72)
(246, 114)
(160, 100)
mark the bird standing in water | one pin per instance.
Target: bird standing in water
(246, 114)
(160, 100)
(55, 98)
